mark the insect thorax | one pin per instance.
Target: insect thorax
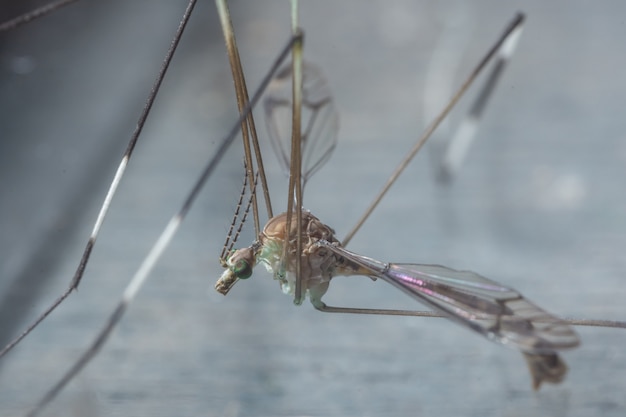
(317, 263)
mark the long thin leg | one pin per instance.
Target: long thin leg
(248, 125)
(82, 264)
(517, 21)
(456, 149)
(294, 194)
(321, 306)
(162, 242)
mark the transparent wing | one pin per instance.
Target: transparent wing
(497, 312)
(320, 119)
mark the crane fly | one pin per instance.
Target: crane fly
(304, 255)
(484, 306)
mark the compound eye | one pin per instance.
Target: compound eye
(242, 269)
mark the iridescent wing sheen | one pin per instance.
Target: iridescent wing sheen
(497, 312)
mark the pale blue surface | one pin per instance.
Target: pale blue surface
(540, 206)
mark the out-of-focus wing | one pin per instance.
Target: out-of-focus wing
(320, 119)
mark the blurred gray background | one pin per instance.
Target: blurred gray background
(539, 205)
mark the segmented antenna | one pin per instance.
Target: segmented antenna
(245, 213)
(230, 240)
(235, 216)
